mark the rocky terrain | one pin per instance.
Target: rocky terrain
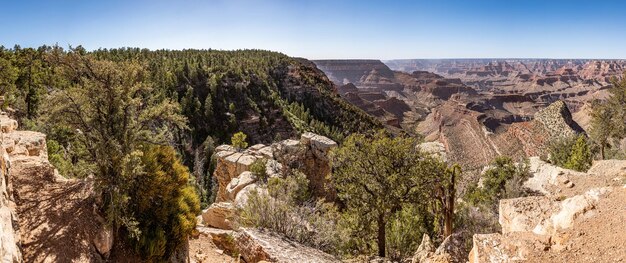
(48, 218)
(217, 225)
(475, 120)
(44, 216)
(398, 99)
(577, 218)
(544, 80)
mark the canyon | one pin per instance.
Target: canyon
(476, 108)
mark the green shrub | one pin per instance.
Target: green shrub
(258, 169)
(503, 179)
(293, 188)
(57, 157)
(239, 141)
(165, 205)
(571, 153)
(405, 231)
(580, 158)
(282, 210)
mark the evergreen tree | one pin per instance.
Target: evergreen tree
(608, 121)
(164, 202)
(603, 126)
(376, 178)
(239, 141)
(580, 158)
(112, 112)
(208, 106)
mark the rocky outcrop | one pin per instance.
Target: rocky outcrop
(55, 215)
(230, 164)
(236, 182)
(255, 246)
(219, 215)
(424, 251)
(9, 229)
(557, 120)
(555, 224)
(451, 250)
(317, 164)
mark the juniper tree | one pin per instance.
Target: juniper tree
(377, 177)
(608, 119)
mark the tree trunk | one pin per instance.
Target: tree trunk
(381, 235)
(602, 151)
(448, 209)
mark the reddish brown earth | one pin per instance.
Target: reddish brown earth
(478, 109)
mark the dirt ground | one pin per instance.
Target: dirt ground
(56, 219)
(202, 250)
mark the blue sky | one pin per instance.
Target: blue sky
(329, 29)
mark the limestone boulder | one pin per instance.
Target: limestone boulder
(452, 249)
(9, 238)
(319, 145)
(546, 176)
(525, 213)
(288, 151)
(256, 245)
(225, 148)
(238, 183)
(425, 250)
(512, 247)
(25, 143)
(9, 232)
(273, 169)
(7, 124)
(569, 210)
(242, 197)
(230, 165)
(266, 152)
(220, 215)
(316, 163)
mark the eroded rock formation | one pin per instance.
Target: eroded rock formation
(9, 228)
(309, 155)
(45, 217)
(573, 221)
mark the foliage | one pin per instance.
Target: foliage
(239, 141)
(109, 113)
(608, 119)
(286, 208)
(258, 169)
(503, 179)
(377, 178)
(164, 203)
(580, 158)
(57, 157)
(405, 231)
(101, 109)
(603, 127)
(203, 170)
(571, 153)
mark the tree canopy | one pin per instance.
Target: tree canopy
(378, 177)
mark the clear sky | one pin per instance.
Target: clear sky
(315, 29)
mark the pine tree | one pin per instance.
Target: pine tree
(239, 141)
